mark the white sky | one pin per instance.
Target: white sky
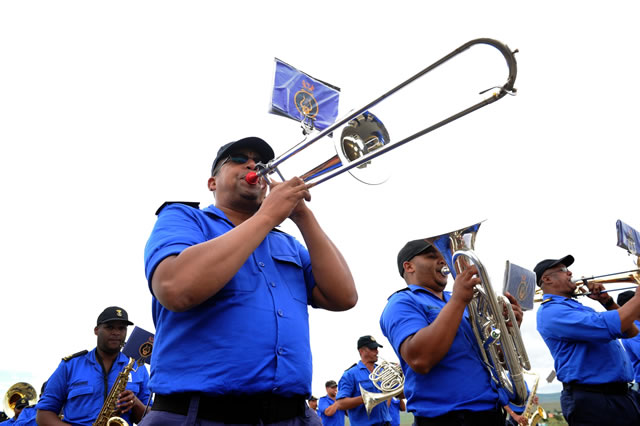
(107, 109)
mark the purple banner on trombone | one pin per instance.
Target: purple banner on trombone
(521, 284)
(628, 238)
(303, 98)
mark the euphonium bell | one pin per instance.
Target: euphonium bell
(15, 393)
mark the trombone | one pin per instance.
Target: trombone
(364, 136)
(624, 277)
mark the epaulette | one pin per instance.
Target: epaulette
(545, 301)
(77, 354)
(193, 204)
(402, 289)
(352, 366)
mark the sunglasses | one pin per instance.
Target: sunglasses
(243, 158)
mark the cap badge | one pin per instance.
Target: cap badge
(119, 312)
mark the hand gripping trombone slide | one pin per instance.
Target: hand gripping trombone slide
(364, 136)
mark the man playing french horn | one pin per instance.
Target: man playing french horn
(446, 380)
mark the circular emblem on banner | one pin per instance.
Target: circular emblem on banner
(522, 289)
(145, 349)
(306, 104)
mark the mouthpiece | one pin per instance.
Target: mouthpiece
(251, 178)
(445, 270)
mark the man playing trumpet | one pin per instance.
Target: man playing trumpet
(589, 361)
(446, 380)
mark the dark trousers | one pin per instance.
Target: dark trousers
(464, 418)
(582, 406)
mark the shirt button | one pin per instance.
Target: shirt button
(272, 284)
(261, 264)
(280, 351)
(280, 313)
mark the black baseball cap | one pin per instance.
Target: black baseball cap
(550, 263)
(409, 251)
(369, 342)
(625, 296)
(313, 398)
(22, 403)
(330, 384)
(254, 143)
(113, 313)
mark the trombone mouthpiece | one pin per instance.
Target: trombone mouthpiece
(251, 178)
(445, 270)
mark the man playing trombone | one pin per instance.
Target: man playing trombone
(589, 361)
(231, 295)
(446, 380)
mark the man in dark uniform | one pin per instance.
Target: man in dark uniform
(81, 383)
(349, 396)
(235, 290)
(589, 361)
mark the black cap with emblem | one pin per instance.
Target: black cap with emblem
(113, 313)
(369, 342)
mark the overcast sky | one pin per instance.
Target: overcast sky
(107, 109)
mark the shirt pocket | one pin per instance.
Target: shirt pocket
(291, 273)
(133, 387)
(79, 391)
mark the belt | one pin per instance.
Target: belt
(616, 388)
(266, 408)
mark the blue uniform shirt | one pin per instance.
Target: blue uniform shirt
(349, 386)
(582, 340)
(78, 387)
(11, 421)
(632, 347)
(394, 411)
(250, 337)
(336, 420)
(27, 417)
(460, 381)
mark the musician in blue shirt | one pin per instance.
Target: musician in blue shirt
(632, 346)
(231, 295)
(349, 396)
(327, 409)
(589, 361)
(446, 380)
(81, 383)
(19, 407)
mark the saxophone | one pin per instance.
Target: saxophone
(107, 416)
(534, 412)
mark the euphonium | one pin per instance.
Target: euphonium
(15, 392)
(501, 346)
(386, 377)
(533, 412)
(107, 416)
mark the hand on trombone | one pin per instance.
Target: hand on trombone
(517, 310)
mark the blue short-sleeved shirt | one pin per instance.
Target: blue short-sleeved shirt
(349, 387)
(394, 411)
(77, 388)
(440, 390)
(577, 335)
(632, 347)
(27, 417)
(250, 337)
(336, 420)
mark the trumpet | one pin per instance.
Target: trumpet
(364, 137)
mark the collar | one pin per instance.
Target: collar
(416, 288)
